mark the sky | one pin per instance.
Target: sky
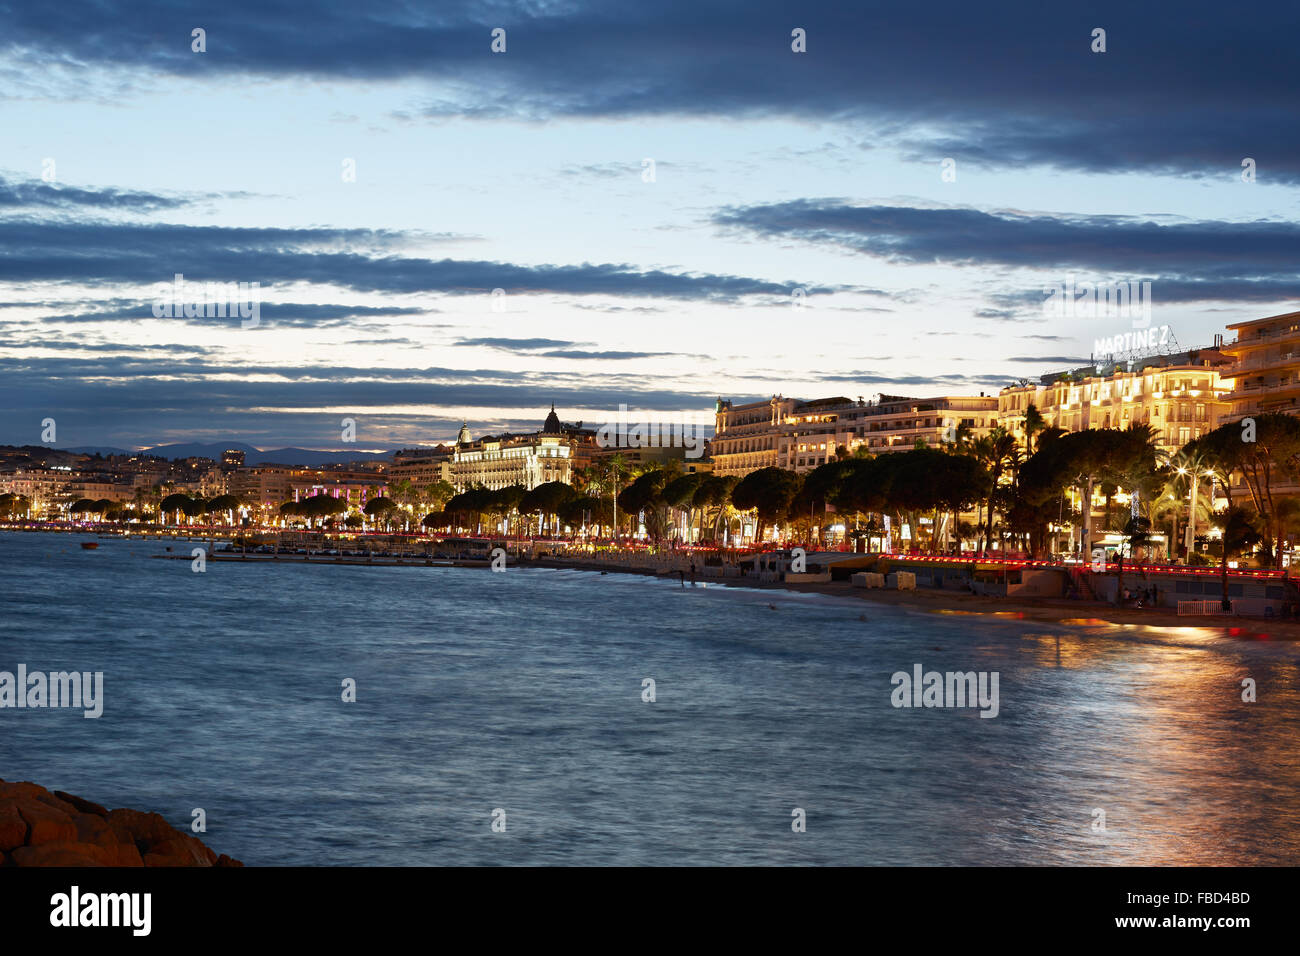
(674, 204)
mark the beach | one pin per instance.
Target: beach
(1083, 613)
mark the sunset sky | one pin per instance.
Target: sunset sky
(126, 157)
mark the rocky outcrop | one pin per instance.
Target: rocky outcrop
(40, 828)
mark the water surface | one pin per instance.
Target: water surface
(523, 691)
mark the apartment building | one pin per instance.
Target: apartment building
(1265, 370)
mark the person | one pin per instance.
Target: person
(681, 576)
(692, 573)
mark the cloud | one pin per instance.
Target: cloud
(992, 86)
(612, 356)
(1186, 261)
(151, 253)
(516, 345)
(297, 315)
(34, 194)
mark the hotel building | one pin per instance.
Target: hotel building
(1181, 396)
(798, 436)
(552, 454)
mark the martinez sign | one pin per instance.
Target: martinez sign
(1132, 341)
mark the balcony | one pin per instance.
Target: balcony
(1263, 391)
(1260, 337)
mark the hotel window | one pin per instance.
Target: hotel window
(1184, 435)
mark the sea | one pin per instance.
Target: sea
(348, 715)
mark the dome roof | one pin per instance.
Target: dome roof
(552, 426)
(463, 438)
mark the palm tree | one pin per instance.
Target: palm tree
(615, 471)
(1034, 423)
(999, 453)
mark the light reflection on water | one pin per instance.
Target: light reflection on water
(523, 691)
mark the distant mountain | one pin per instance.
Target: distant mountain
(255, 456)
(97, 450)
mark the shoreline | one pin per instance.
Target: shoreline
(924, 600)
(1048, 610)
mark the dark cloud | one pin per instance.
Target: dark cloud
(39, 194)
(608, 356)
(298, 315)
(132, 401)
(516, 345)
(1008, 86)
(153, 253)
(1186, 261)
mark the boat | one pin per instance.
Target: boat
(90, 545)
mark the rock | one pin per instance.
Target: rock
(47, 824)
(40, 828)
(13, 828)
(64, 853)
(179, 851)
(85, 806)
(146, 828)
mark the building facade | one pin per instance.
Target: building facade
(1265, 369)
(799, 436)
(1181, 396)
(552, 454)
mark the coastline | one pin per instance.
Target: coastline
(1058, 611)
(1079, 613)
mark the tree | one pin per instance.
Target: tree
(1273, 457)
(1240, 527)
(768, 491)
(178, 503)
(224, 503)
(615, 471)
(546, 499)
(437, 494)
(12, 505)
(381, 509)
(505, 501)
(646, 493)
(1034, 424)
(714, 492)
(998, 452)
(679, 493)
